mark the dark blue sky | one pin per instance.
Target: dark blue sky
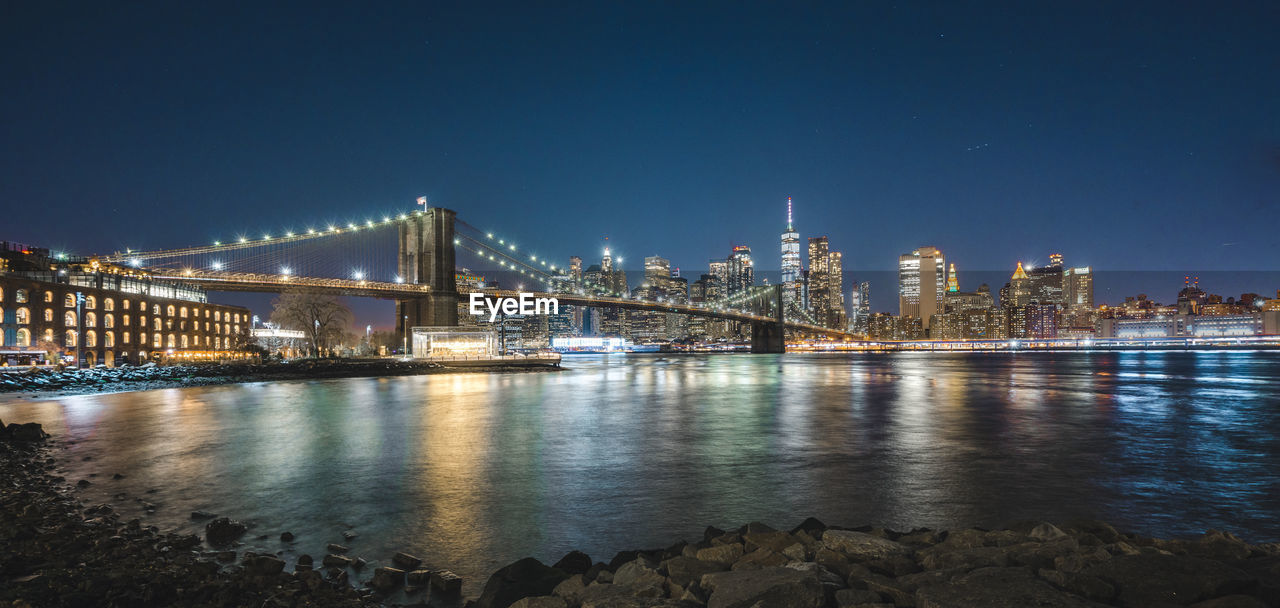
(1126, 135)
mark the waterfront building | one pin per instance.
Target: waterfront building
(791, 289)
(922, 280)
(102, 313)
(1045, 285)
(826, 284)
(960, 301)
(1041, 320)
(1017, 292)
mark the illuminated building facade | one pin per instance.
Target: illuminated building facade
(791, 289)
(922, 282)
(741, 270)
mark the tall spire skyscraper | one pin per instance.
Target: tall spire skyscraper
(790, 264)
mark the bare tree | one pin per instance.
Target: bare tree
(323, 318)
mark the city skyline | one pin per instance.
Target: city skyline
(919, 121)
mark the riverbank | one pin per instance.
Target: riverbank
(56, 551)
(44, 383)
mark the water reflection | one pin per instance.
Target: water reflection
(475, 470)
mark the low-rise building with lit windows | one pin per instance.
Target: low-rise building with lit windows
(106, 314)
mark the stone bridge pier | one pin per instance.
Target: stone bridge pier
(427, 258)
(768, 337)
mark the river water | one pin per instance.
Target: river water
(472, 471)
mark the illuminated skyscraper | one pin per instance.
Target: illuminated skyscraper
(791, 290)
(922, 280)
(953, 282)
(742, 274)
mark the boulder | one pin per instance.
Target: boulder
(774, 541)
(1153, 578)
(31, 431)
(772, 587)
(574, 562)
(848, 598)
(683, 570)
(386, 579)
(1046, 531)
(998, 588)
(222, 531)
(638, 572)
(264, 565)
(725, 554)
(542, 601)
(859, 546)
(418, 578)
(525, 578)
(446, 581)
(405, 561)
(336, 548)
(1231, 601)
(335, 561)
(286, 537)
(812, 527)
(760, 558)
(941, 557)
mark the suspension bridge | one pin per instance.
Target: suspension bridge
(418, 269)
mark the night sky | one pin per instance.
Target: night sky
(1126, 135)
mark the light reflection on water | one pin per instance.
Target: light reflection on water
(472, 471)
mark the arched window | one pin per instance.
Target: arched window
(24, 337)
(69, 301)
(20, 296)
(217, 316)
(1, 294)
(237, 317)
(69, 318)
(48, 335)
(156, 341)
(22, 316)
(217, 328)
(48, 315)
(71, 338)
(109, 339)
(90, 302)
(142, 338)
(217, 343)
(183, 312)
(1, 314)
(125, 319)
(237, 329)
(90, 339)
(170, 343)
(155, 309)
(108, 320)
(169, 310)
(124, 336)
(48, 297)
(90, 319)
(108, 304)
(155, 323)
(184, 340)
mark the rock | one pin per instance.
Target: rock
(941, 557)
(305, 560)
(286, 537)
(349, 535)
(774, 541)
(418, 578)
(84, 483)
(1083, 585)
(405, 561)
(847, 598)
(1152, 579)
(1231, 601)
(725, 554)
(264, 565)
(202, 515)
(812, 527)
(772, 587)
(571, 589)
(525, 578)
(542, 601)
(1222, 546)
(118, 476)
(760, 558)
(574, 562)
(639, 573)
(386, 579)
(28, 432)
(797, 552)
(683, 570)
(335, 561)
(446, 581)
(860, 546)
(358, 564)
(222, 531)
(1046, 531)
(336, 548)
(997, 588)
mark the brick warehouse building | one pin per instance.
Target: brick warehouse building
(107, 314)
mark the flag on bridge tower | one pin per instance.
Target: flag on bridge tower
(422, 200)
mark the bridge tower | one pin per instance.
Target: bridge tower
(768, 337)
(427, 258)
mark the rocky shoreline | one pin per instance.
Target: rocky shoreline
(49, 383)
(55, 551)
